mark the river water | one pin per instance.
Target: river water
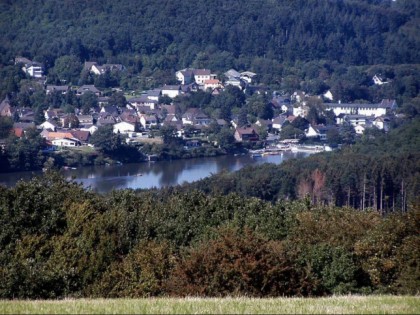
(103, 179)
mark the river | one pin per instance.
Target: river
(103, 179)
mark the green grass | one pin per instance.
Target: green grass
(330, 305)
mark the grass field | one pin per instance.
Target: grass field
(330, 305)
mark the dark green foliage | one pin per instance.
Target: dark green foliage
(59, 240)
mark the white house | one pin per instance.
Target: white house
(66, 142)
(376, 110)
(247, 76)
(195, 116)
(187, 76)
(358, 120)
(377, 80)
(212, 84)
(360, 129)
(148, 120)
(34, 71)
(328, 95)
(91, 129)
(48, 125)
(278, 122)
(201, 75)
(312, 132)
(32, 68)
(171, 90)
(381, 123)
(124, 127)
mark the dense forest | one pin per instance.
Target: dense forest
(152, 37)
(59, 240)
(180, 34)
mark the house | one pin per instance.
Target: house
(376, 110)
(246, 134)
(66, 142)
(195, 116)
(312, 132)
(356, 120)
(110, 109)
(170, 119)
(328, 95)
(124, 127)
(86, 89)
(148, 120)
(278, 122)
(247, 76)
(61, 89)
(5, 108)
(130, 116)
(187, 76)
(300, 110)
(53, 114)
(31, 68)
(92, 129)
(143, 101)
(318, 131)
(81, 135)
(85, 120)
(53, 135)
(49, 124)
(105, 120)
(212, 84)
(171, 91)
(103, 100)
(378, 80)
(235, 82)
(232, 73)
(381, 123)
(99, 70)
(25, 114)
(360, 129)
(202, 75)
(264, 123)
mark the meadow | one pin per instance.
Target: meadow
(350, 304)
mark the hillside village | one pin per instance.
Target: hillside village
(139, 117)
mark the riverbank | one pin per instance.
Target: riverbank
(104, 178)
(330, 305)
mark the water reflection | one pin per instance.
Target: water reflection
(158, 174)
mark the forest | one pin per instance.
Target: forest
(59, 240)
(155, 38)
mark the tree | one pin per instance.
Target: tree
(88, 101)
(6, 126)
(225, 139)
(105, 139)
(71, 121)
(168, 134)
(67, 69)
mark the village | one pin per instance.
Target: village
(139, 116)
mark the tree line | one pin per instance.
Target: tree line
(60, 240)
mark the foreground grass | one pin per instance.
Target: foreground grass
(330, 305)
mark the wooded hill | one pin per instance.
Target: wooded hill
(161, 34)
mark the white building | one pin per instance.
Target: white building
(171, 90)
(376, 110)
(66, 142)
(124, 127)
